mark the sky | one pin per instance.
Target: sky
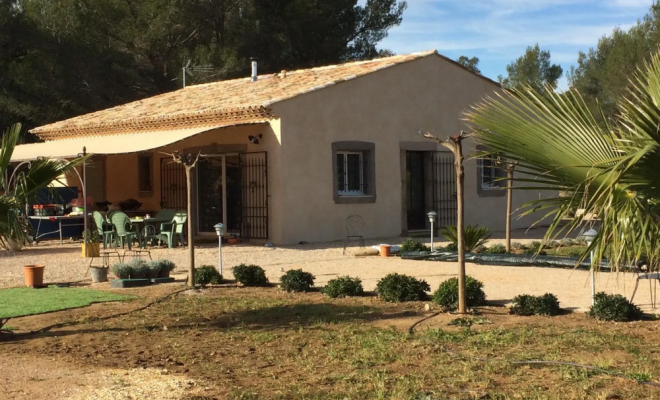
(499, 31)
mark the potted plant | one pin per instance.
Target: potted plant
(99, 274)
(166, 266)
(121, 270)
(154, 269)
(233, 238)
(91, 246)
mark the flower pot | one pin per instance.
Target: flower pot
(34, 275)
(91, 250)
(99, 274)
(385, 250)
(164, 273)
(232, 240)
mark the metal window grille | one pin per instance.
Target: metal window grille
(254, 204)
(350, 173)
(444, 188)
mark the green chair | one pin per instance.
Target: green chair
(170, 230)
(105, 229)
(165, 214)
(121, 221)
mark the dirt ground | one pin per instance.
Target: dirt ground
(326, 261)
(241, 343)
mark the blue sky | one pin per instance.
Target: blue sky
(499, 31)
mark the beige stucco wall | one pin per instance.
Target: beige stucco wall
(387, 108)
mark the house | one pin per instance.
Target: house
(288, 157)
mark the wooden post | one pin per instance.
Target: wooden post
(455, 144)
(509, 202)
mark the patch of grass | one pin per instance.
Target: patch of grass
(19, 302)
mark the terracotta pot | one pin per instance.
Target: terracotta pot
(232, 240)
(34, 275)
(91, 250)
(385, 250)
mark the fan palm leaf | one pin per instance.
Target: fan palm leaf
(610, 171)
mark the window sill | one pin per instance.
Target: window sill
(491, 191)
(355, 199)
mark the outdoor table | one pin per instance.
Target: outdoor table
(143, 223)
(79, 221)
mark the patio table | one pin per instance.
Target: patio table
(143, 223)
(79, 221)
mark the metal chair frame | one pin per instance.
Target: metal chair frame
(354, 226)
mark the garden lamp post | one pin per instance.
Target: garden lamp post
(432, 216)
(219, 230)
(589, 237)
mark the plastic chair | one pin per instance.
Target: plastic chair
(354, 226)
(120, 221)
(165, 214)
(170, 230)
(106, 230)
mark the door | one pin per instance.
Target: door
(415, 190)
(210, 198)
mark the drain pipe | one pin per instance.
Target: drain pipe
(254, 76)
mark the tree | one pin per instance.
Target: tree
(532, 69)
(469, 63)
(610, 171)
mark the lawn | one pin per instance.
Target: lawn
(18, 302)
(265, 344)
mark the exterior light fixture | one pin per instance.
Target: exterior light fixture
(589, 237)
(219, 230)
(255, 139)
(432, 217)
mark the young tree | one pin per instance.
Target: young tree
(469, 63)
(532, 69)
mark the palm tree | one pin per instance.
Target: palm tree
(611, 169)
(19, 184)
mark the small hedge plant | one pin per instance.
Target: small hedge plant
(343, 286)
(207, 274)
(296, 280)
(139, 268)
(496, 249)
(412, 245)
(154, 269)
(535, 248)
(614, 307)
(165, 265)
(250, 275)
(447, 294)
(121, 270)
(396, 288)
(527, 305)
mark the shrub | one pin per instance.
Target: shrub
(575, 253)
(154, 269)
(614, 307)
(121, 270)
(207, 274)
(480, 249)
(250, 275)
(139, 268)
(451, 247)
(535, 248)
(496, 249)
(296, 280)
(412, 245)
(165, 265)
(343, 286)
(517, 246)
(535, 305)
(475, 236)
(396, 288)
(447, 293)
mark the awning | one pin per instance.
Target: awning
(106, 145)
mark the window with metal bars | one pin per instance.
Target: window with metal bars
(350, 173)
(354, 172)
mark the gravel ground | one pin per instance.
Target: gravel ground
(326, 261)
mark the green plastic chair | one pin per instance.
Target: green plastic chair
(165, 214)
(120, 221)
(170, 230)
(105, 229)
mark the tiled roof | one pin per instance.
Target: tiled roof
(238, 100)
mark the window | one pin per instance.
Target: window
(490, 177)
(354, 173)
(144, 174)
(350, 173)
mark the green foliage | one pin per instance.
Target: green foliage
(614, 307)
(533, 69)
(207, 275)
(575, 253)
(496, 249)
(474, 236)
(165, 265)
(250, 275)
(451, 247)
(413, 245)
(469, 63)
(526, 305)
(297, 280)
(534, 248)
(139, 268)
(480, 249)
(396, 288)
(447, 294)
(466, 322)
(517, 246)
(342, 287)
(121, 270)
(154, 269)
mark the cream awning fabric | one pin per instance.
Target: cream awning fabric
(107, 145)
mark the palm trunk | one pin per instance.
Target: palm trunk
(191, 245)
(460, 224)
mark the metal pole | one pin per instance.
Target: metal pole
(593, 281)
(220, 254)
(84, 199)
(184, 77)
(431, 235)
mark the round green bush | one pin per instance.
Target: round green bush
(296, 280)
(165, 265)
(496, 249)
(250, 275)
(614, 307)
(396, 288)
(207, 274)
(447, 293)
(343, 286)
(526, 305)
(534, 248)
(121, 270)
(139, 268)
(412, 245)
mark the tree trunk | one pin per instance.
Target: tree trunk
(191, 245)
(509, 201)
(460, 223)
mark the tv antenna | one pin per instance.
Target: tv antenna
(188, 70)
